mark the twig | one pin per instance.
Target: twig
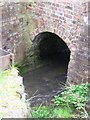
(59, 91)
(62, 83)
(44, 96)
(40, 105)
(86, 114)
(35, 92)
(33, 97)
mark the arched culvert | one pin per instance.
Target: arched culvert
(51, 47)
(49, 79)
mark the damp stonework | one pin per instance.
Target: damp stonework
(21, 22)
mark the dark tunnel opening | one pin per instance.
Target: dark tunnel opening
(52, 53)
(52, 48)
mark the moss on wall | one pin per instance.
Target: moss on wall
(31, 59)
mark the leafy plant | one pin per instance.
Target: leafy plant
(74, 96)
(41, 112)
(51, 112)
(62, 112)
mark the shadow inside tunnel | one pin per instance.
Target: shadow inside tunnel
(50, 79)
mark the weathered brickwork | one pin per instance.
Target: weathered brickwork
(11, 31)
(66, 18)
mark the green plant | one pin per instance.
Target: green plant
(62, 112)
(59, 101)
(41, 112)
(74, 96)
(51, 112)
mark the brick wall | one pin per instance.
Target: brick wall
(66, 18)
(11, 29)
(0, 44)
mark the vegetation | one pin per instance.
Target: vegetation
(70, 104)
(12, 97)
(62, 112)
(74, 96)
(51, 112)
(41, 112)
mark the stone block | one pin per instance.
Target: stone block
(4, 59)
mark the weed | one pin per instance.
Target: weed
(41, 112)
(62, 112)
(74, 96)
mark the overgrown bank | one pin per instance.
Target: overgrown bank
(13, 102)
(72, 103)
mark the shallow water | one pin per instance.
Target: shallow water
(45, 82)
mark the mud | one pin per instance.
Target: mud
(45, 82)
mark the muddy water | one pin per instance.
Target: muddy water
(45, 82)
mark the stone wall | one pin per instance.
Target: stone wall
(66, 18)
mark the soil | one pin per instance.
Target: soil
(44, 83)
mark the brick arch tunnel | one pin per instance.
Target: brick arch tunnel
(49, 79)
(52, 48)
